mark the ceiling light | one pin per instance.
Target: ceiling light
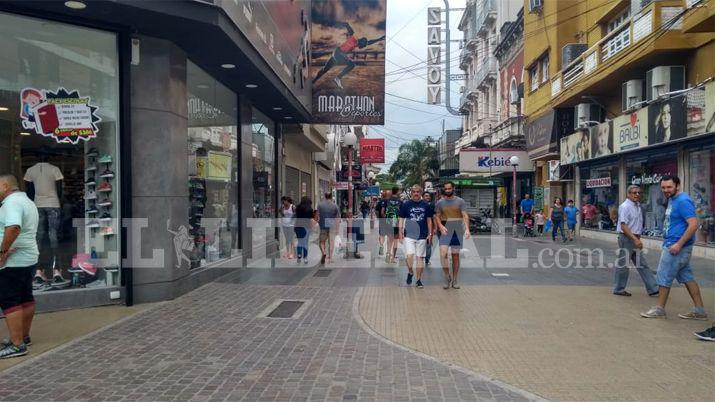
(277, 108)
(202, 86)
(251, 86)
(3, 109)
(24, 133)
(288, 117)
(228, 65)
(75, 5)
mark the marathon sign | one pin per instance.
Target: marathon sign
(596, 183)
(473, 160)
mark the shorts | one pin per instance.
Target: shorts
(454, 237)
(572, 225)
(673, 267)
(324, 234)
(385, 228)
(415, 247)
(16, 288)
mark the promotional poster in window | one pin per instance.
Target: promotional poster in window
(348, 61)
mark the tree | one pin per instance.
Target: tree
(416, 161)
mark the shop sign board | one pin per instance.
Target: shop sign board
(348, 61)
(494, 161)
(356, 173)
(630, 131)
(645, 179)
(219, 166)
(596, 183)
(434, 52)
(341, 185)
(372, 150)
(542, 134)
(64, 115)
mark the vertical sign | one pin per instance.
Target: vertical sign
(434, 49)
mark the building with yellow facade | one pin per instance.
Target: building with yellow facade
(621, 92)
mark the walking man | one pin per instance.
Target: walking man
(526, 205)
(328, 215)
(427, 197)
(571, 213)
(453, 224)
(18, 258)
(415, 231)
(630, 227)
(392, 216)
(679, 235)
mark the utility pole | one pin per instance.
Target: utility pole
(447, 59)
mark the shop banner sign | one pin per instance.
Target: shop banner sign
(596, 183)
(630, 131)
(63, 115)
(602, 139)
(371, 191)
(372, 150)
(219, 166)
(341, 185)
(348, 61)
(356, 173)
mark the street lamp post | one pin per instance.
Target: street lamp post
(514, 163)
(350, 140)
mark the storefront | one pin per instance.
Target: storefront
(93, 104)
(670, 137)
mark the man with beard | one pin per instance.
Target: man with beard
(453, 224)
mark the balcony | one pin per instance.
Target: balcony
(651, 31)
(486, 13)
(488, 69)
(465, 56)
(700, 18)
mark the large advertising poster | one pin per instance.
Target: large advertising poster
(667, 120)
(348, 61)
(576, 147)
(631, 130)
(710, 107)
(602, 139)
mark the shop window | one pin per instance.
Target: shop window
(599, 196)
(59, 114)
(213, 169)
(701, 187)
(647, 172)
(263, 165)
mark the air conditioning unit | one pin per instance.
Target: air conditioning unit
(632, 94)
(587, 114)
(664, 79)
(535, 6)
(571, 52)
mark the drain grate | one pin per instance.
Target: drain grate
(322, 273)
(286, 309)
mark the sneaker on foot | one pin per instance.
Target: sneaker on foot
(454, 284)
(707, 335)
(409, 278)
(13, 351)
(654, 312)
(381, 251)
(692, 315)
(322, 260)
(6, 342)
(419, 284)
(447, 283)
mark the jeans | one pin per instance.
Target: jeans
(48, 222)
(628, 251)
(557, 225)
(303, 236)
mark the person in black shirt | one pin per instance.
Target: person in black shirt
(305, 216)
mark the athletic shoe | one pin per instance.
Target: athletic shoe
(90, 195)
(692, 315)
(447, 282)
(90, 182)
(107, 174)
(91, 168)
(105, 159)
(13, 351)
(338, 82)
(707, 335)
(87, 268)
(454, 284)
(106, 231)
(93, 223)
(322, 260)
(92, 152)
(654, 312)
(305, 261)
(419, 284)
(6, 342)
(91, 210)
(381, 251)
(38, 283)
(105, 217)
(105, 203)
(104, 187)
(409, 278)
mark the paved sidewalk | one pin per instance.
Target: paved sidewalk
(211, 345)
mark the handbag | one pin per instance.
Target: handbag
(547, 227)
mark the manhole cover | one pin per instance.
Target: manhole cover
(322, 273)
(286, 309)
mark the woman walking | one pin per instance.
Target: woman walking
(288, 226)
(305, 215)
(557, 219)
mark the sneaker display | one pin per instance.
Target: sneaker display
(105, 203)
(106, 231)
(409, 278)
(692, 315)
(654, 312)
(87, 268)
(419, 284)
(105, 159)
(105, 217)
(93, 223)
(707, 335)
(447, 282)
(104, 187)
(58, 282)
(91, 210)
(38, 283)
(92, 152)
(91, 168)
(107, 174)
(90, 195)
(90, 182)
(13, 351)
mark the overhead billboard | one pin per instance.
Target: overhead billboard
(372, 150)
(348, 61)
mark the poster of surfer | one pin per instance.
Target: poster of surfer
(348, 61)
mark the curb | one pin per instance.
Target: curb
(481, 377)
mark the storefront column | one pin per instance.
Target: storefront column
(682, 168)
(577, 196)
(245, 197)
(622, 180)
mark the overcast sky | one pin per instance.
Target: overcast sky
(407, 46)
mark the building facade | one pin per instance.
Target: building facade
(165, 148)
(618, 94)
(448, 159)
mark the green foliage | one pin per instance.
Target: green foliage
(416, 161)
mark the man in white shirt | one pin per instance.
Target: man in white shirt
(629, 228)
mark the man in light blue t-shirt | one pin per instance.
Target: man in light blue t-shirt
(679, 235)
(18, 257)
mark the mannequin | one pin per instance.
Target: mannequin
(43, 182)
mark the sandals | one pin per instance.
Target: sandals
(622, 293)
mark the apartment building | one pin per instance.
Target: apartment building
(620, 93)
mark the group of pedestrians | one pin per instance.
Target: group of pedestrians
(299, 221)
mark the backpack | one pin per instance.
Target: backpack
(392, 212)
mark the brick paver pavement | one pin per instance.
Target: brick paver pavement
(211, 345)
